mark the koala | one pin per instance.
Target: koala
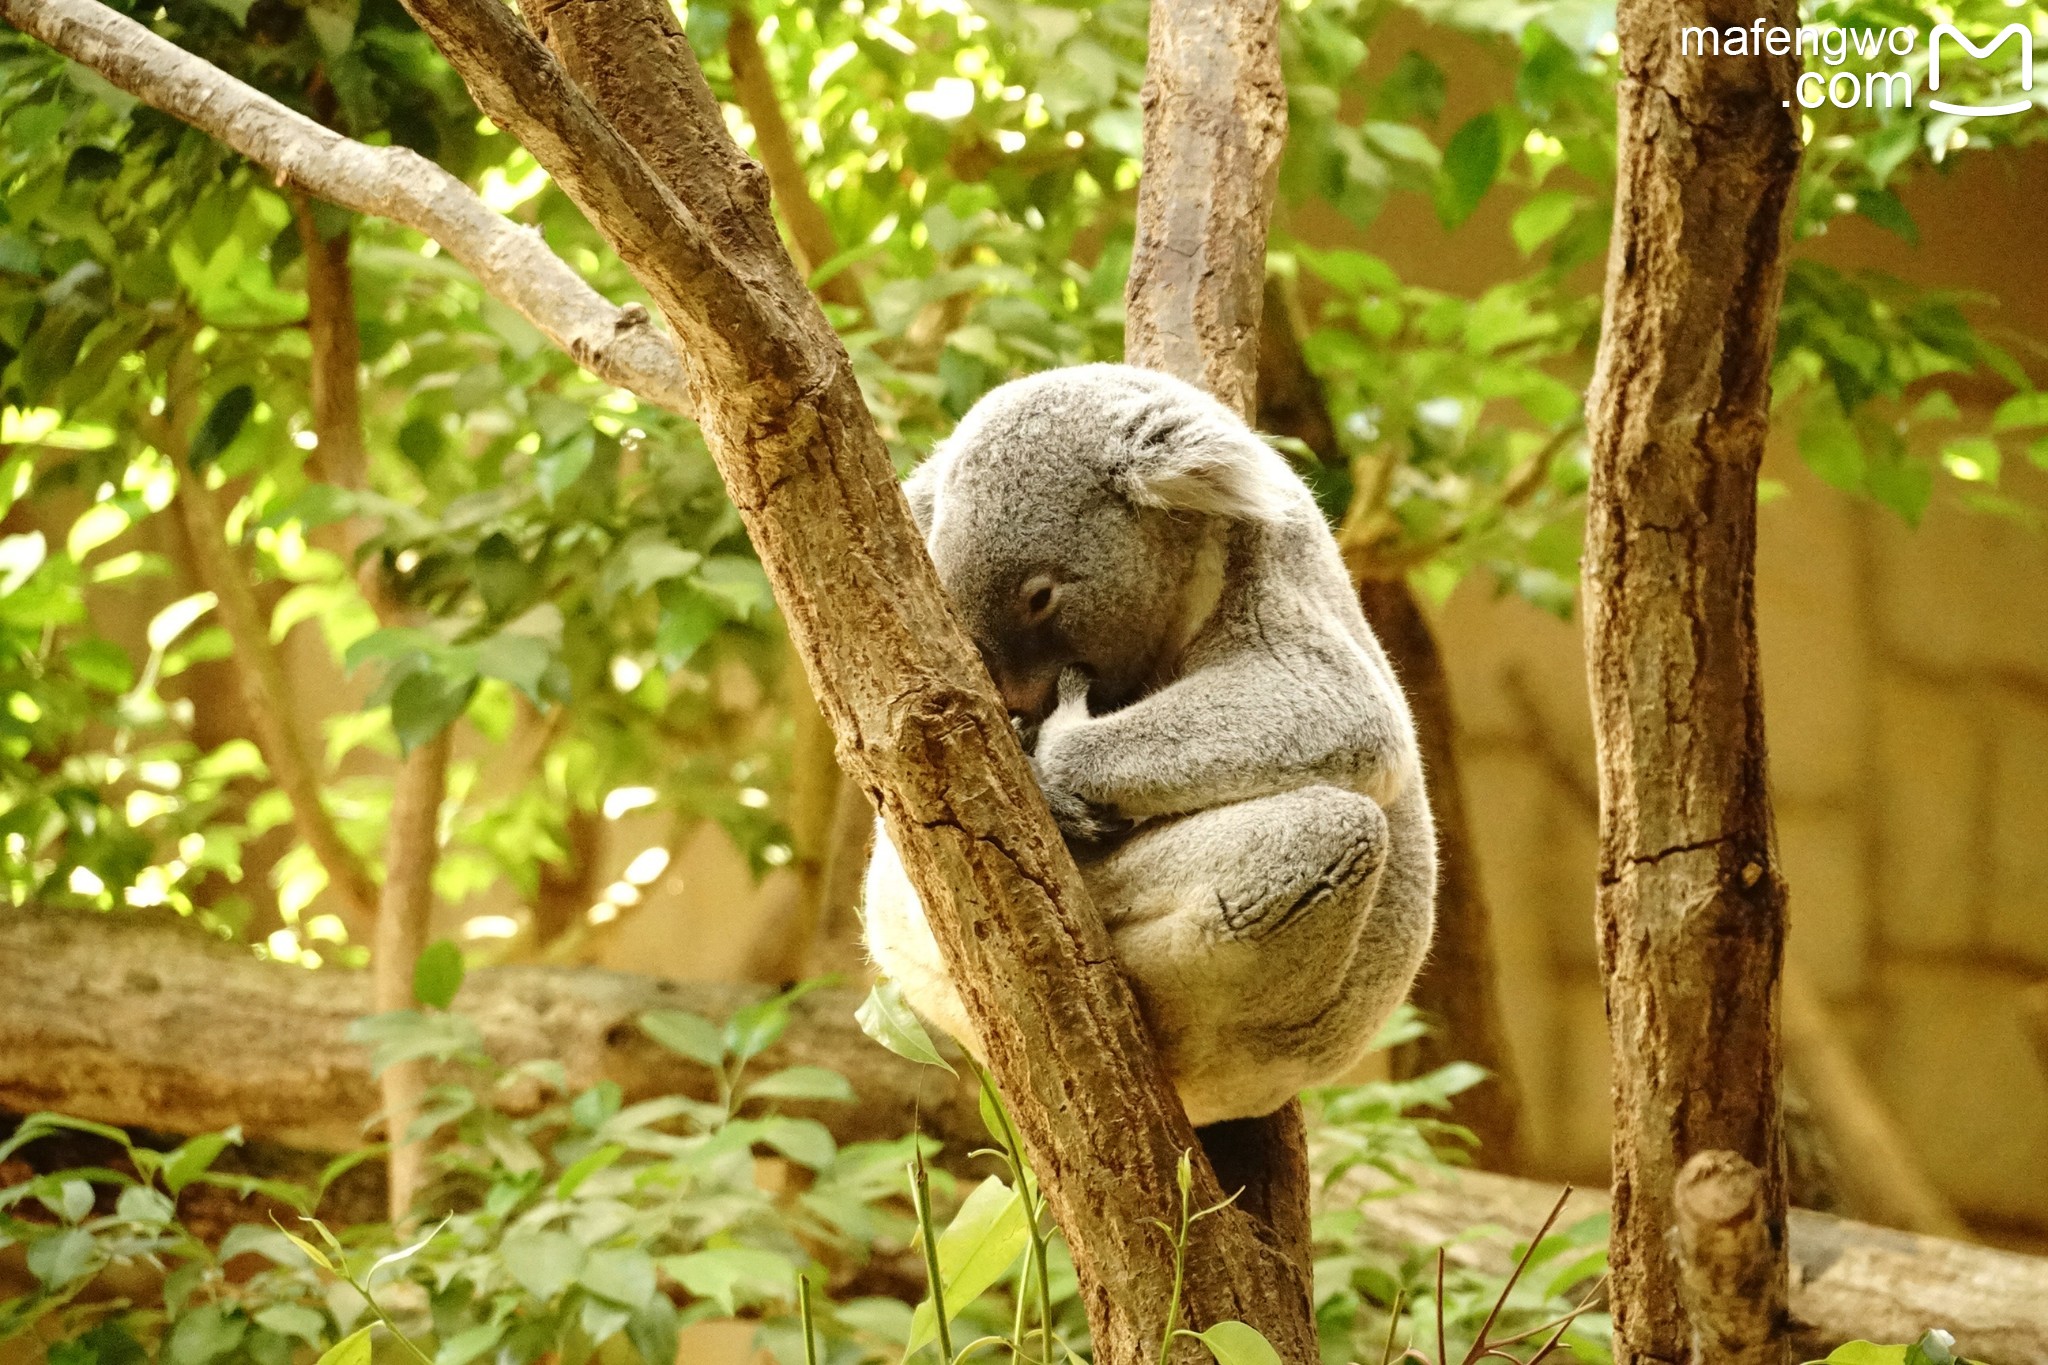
(1219, 736)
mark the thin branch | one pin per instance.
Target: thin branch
(510, 261)
(754, 88)
(404, 916)
(266, 689)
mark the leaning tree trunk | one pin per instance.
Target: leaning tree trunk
(1691, 908)
(1459, 988)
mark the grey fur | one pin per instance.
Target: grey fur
(1215, 728)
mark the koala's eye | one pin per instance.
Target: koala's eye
(1036, 599)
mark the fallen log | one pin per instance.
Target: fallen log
(142, 1022)
(148, 1024)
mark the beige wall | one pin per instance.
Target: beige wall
(1906, 694)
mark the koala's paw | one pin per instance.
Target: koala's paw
(1082, 821)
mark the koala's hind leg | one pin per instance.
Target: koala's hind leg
(1240, 929)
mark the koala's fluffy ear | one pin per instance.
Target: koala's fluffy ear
(921, 491)
(1183, 458)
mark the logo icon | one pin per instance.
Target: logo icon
(1981, 110)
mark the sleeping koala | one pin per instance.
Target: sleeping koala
(1217, 732)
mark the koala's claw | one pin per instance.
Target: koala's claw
(1080, 820)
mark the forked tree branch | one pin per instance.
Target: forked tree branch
(509, 260)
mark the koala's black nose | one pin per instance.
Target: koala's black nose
(1037, 599)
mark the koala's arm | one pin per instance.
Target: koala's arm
(1251, 724)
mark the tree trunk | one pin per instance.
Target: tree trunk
(1690, 904)
(411, 850)
(1215, 124)
(1459, 988)
(144, 1022)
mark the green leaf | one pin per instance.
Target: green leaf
(1935, 1348)
(885, 1018)
(977, 1248)
(1973, 459)
(645, 559)
(2022, 410)
(1866, 1353)
(437, 976)
(544, 1263)
(520, 660)
(754, 1028)
(470, 1343)
(1237, 1343)
(141, 1204)
(586, 1166)
(101, 664)
(62, 1257)
(801, 1083)
(353, 1349)
(625, 1275)
(732, 1276)
(195, 1157)
(804, 1141)
(689, 1035)
(221, 426)
(293, 1320)
(1885, 209)
(654, 1330)
(1542, 218)
(1404, 142)
(206, 1333)
(1471, 161)
(425, 704)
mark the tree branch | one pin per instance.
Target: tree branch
(510, 261)
(1215, 124)
(1724, 1262)
(754, 88)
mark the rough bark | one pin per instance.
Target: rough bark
(404, 918)
(145, 1022)
(1881, 1177)
(1215, 123)
(754, 88)
(1690, 905)
(1459, 987)
(510, 261)
(1721, 1244)
(919, 725)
